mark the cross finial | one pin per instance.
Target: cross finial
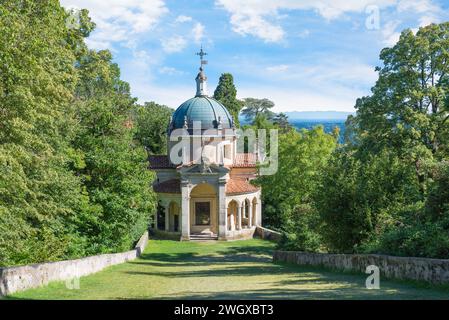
(202, 54)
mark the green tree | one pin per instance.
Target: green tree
(226, 93)
(115, 173)
(72, 180)
(381, 192)
(408, 110)
(151, 122)
(281, 120)
(287, 194)
(255, 107)
(39, 195)
(357, 199)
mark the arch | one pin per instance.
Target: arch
(203, 209)
(203, 189)
(229, 200)
(174, 211)
(245, 213)
(232, 215)
(254, 208)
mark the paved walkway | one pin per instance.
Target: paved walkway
(224, 270)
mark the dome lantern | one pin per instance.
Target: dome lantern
(201, 79)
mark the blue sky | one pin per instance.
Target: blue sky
(305, 55)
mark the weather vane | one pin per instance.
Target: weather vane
(202, 54)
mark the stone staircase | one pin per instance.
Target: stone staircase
(203, 237)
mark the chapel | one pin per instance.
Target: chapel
(204, 184)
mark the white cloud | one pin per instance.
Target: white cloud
(182, 19)
(174, 44)
(198, 32)
(118, 19)
(259, 17)
(324, 84)
(170, 71)
(425, 20)
(304, 34)
(279, 68)
(390, 34)
(419, 6)
(427, 11)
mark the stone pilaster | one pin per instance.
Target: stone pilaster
(239, 217)
(185, 210)
(250, 215)
(222, 214)
(167, 217)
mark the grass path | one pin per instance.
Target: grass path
(223, 270)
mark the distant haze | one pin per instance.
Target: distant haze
(318, 115)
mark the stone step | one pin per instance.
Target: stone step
(203, 237)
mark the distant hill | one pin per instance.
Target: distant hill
(318, 115)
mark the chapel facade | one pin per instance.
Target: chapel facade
(204, 184)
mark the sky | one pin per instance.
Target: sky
(305, 55)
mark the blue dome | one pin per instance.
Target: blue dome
(202, 108)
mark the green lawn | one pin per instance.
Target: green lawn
(224, 270)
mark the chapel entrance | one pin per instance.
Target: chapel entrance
(203, 210)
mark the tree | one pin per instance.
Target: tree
(115, 173)
(39, 195)
(226, 93)
(73, 181)
(255, 107)
(408, 111)
(384, 191)
(281, 120)
(357, 199)
(286, 195)
(152, 121)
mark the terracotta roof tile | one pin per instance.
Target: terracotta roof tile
(245, 160)
(169, 186)
(237, 186)
(160, 162)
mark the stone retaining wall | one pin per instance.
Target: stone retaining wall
(435, 271)
(244, 234)
(267, 234)
(21, 278)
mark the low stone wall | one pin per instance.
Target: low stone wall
(435, 271)
(21, 278)
(244, 234)
(267, 234)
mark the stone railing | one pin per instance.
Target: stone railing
(267, 234)
(435, 271)
(15, 279)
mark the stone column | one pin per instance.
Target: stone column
(250, 215)
(185, 210)
(167, 217)
(239, 217)
(155, 220)
(222, 214)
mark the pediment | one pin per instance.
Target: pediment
(202, 168)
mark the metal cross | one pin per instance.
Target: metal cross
(202, 54)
